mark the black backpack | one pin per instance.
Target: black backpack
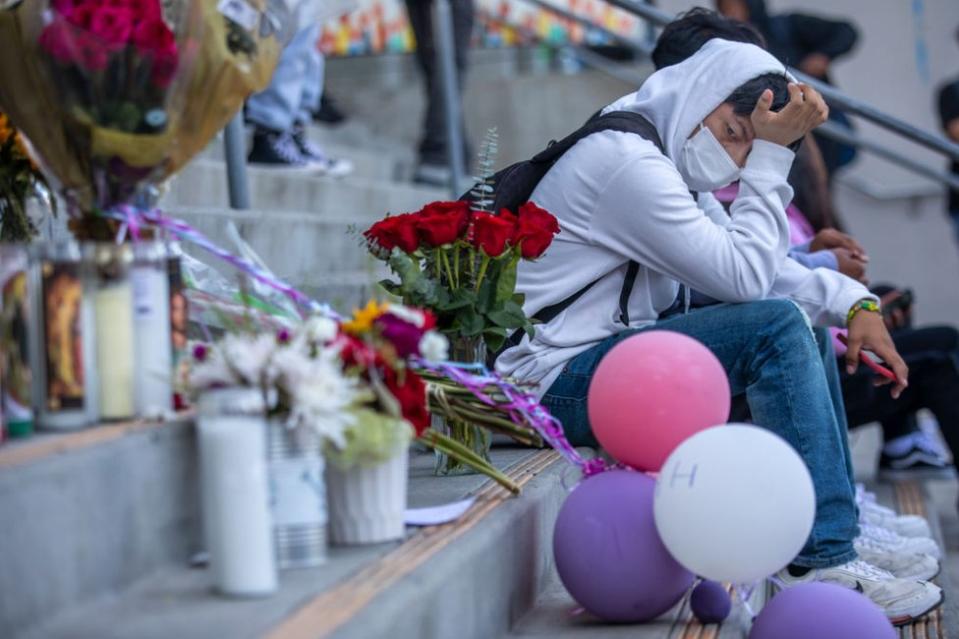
(514, 185)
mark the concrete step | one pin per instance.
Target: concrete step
(203, 184)
(373, 157)
(323, 256)
(99, 527)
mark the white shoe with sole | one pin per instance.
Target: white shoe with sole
(890, 541)
(903, 600)
(902, 566)
(874, 513)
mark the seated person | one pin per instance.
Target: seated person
(932, 353)
(723, 116)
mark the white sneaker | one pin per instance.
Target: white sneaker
(903, 600)
(900, 565)
(890, 541)
(871, 512)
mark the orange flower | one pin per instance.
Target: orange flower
(5, 129)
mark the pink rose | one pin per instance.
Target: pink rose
(165, 65)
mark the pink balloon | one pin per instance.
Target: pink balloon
(651, 392)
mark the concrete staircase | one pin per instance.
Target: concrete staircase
(100, 527)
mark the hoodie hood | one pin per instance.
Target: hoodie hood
(676, 99)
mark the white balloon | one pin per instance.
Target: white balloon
(734, 503)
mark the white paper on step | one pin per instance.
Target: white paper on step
(436, 515)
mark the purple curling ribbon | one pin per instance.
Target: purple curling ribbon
(131, 217)
(522, 406)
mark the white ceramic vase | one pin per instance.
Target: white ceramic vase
(368, 503)
(238, 527)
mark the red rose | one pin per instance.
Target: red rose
(142, 9)
(165, 65)
(56, 40)
(411, 395)
(112, 26)
(393, 231)
(154, 37)
(534, 230)
(442, 223)
(491, 233)
(65, 7)
(81, 14)
(429, 320)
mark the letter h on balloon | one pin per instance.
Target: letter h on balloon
(677, 475)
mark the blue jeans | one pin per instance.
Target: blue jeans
(771, 355)
(296, 87)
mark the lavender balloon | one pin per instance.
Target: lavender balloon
(710, 602)
(608, 553)
(823, 611)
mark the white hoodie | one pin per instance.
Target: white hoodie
(617, 198)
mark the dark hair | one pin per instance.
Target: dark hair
(745, 97)
(691, 30)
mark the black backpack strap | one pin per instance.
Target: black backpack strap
(623, 121)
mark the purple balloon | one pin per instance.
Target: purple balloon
(823, 611)
(608, 553)
(710, 602)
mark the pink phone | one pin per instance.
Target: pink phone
(870, 362)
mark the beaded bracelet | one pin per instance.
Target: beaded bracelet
(862, 305)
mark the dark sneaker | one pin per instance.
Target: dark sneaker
(317, 158)
(328, 112)
(276, 149)
(923, 459)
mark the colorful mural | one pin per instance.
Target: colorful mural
(380, 26)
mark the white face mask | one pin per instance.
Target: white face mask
(705, 164)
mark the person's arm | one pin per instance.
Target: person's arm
(814, 259)
(831, 38)
(825, 295)
(646, 214)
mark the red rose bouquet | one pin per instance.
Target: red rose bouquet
(461, 264)
(116, 95)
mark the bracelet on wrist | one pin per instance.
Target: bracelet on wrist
(862, 305)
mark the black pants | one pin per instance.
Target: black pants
(432, 147)
(932, 355)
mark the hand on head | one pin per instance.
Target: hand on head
(805, 111)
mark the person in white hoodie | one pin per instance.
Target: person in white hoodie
(619, 199)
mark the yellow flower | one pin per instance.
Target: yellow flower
(363, 319)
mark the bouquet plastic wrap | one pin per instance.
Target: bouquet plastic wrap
(116, 95)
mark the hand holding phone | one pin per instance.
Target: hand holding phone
(866, 359)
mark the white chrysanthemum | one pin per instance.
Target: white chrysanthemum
(434, 347)
(320, 329)
(288, 365)
(321, 398)
(211, 372)
(248, 355)
(414, 317)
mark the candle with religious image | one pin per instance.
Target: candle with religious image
(63, 348)
(15, 371)
(113, 309)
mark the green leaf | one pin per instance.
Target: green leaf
(506, 282)
(507, 318)
(495, 338)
